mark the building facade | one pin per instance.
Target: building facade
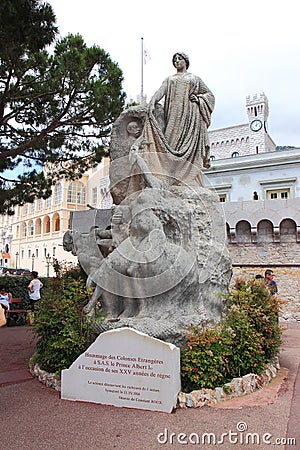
(259, 187)
(32, 237)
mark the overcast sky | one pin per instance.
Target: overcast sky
(238, 48)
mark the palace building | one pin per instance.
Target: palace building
(259, 187)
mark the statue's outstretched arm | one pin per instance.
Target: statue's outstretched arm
(150, 179)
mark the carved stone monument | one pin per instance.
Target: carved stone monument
(164, 263)
(125, 368)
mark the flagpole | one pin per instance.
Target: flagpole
(142, 71)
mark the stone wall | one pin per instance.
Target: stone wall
(288, 282)
(226, 141)
(265, 253)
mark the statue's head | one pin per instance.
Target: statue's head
(134, 128)
(184, 56)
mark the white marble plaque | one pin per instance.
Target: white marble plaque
(125, 368)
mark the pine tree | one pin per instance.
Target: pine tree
(57, 103)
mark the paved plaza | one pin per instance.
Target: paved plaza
(34, 417)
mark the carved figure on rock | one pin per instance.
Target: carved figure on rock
(90, 250)
(126, 134)
(146, 272)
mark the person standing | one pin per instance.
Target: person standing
(34, 289)
(270, 282)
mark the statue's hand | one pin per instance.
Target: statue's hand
(151, 107)
(133, 154)
(194, 98)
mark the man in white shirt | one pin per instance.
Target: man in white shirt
(34, 289)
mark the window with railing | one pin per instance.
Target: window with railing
(49, 202)
(76, 193)
(24, 230)
(58, 194)
(31, 228)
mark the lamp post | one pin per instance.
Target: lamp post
(17, 256)
(32, 262)
(48, 261)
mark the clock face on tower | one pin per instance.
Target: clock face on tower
(256, 125)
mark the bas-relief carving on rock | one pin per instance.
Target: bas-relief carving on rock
(167, 261)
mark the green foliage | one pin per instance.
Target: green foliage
(17, 286)
(61, 326)
(204, 361)
(261, 310)
(25, 25)
(247, 339)
(55, 108)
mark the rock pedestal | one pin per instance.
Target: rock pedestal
(174, 277)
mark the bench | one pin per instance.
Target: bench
(16, 315)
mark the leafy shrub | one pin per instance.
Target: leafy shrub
(247, 339)
(262, 312)
(204, 361)
(61, 326)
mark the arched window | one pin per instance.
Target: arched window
(24, 229)
(47, 224)
(56, 222)
(243, 231)
(76, 193)
(235, 155)
(288, 231)
(212, 157)
(57, 194)
(265, 231)
(38, 226)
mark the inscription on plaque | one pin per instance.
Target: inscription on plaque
(125, 368)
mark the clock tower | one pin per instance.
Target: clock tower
(258, 111)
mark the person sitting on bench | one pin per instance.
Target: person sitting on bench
(5, 298)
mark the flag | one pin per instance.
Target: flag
(147, 57)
